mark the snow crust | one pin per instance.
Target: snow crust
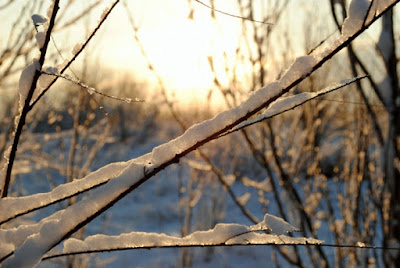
(25, 81)
(357, 14)
(299, 69)
(275, 224)
(11, 206)
(40, 38)
(37, 239)
(221, 234)
(382, 4)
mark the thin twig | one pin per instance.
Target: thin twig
(232, 15)
(322, 42)
(92, 90)
(223, 244)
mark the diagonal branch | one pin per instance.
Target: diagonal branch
(26, 108)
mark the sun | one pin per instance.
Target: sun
(178, 47)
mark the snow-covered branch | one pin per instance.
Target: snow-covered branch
(273, 230)
(282, 105)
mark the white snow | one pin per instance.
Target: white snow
(277, 225)
(360, 244)
(357, 14)
(40, 38)
(221, 234)
(125, 175)
(25, 81)
(15, 237)
(11, 206)
(55, 227)
(382, 4)
(301, 67)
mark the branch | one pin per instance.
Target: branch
(231, 15)
(283, 105)
(26, 107)
(92, 90)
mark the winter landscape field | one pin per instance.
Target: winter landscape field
(258, 133)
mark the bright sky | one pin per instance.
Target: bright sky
(176, 46)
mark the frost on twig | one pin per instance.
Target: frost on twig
(90, 89)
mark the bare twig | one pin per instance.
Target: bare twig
(232, 15)
(92, 90)
(217, 245)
